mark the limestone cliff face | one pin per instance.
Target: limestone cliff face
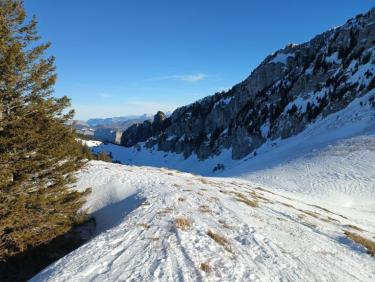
(287, 91)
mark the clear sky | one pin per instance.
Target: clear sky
(123, 57)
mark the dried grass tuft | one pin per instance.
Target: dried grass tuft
(220, 240)
(183, 223)
(205, 267)
(368, 244)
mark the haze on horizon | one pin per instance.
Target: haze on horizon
(112, 62)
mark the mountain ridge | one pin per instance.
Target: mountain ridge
(287, 91)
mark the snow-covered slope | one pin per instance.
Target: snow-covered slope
(235, 230)
(332, 156)
(279, 215)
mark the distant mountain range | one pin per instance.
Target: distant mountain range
(108, 129)
(117, 121)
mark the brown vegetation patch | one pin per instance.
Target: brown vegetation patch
(144, 226)
(146, 203)
(220, 240)
(332, 219)
(259, 197)
(204, 209)
(321, 208)
(182, 223)
(310, 213)
(309, 224)
(264, 190)
(204, 181)
(165, 211)
(242, 198)
(287, 205)
(205, 267)
(354, 227)
(224, 224)
(368, 244)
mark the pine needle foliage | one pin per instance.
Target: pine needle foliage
(38, 152)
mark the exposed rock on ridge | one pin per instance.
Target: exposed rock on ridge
(289, 90)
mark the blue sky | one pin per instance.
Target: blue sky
(122, 57)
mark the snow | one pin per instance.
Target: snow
(281, 58)
(333, 58)
(265, 128)
(359, 76)
(91, 143)
(223, 102)
(282, 239)
(309, 189)
(301, 102)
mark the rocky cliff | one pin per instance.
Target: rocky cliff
(289, 90)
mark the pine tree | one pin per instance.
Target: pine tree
(38, 152)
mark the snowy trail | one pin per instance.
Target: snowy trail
(262, 235)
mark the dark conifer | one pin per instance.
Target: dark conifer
(38, 152)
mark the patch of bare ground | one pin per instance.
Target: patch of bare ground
(368, 244)
(182, 223)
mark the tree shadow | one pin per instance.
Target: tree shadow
(25, 265)
(111, 215)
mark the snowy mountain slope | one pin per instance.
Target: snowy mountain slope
(237, 230)
(333, 156)
(289, 90)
